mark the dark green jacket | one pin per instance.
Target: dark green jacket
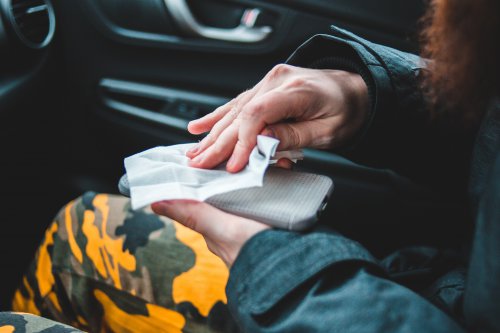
(321, 281)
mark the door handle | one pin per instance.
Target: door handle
(246, 32)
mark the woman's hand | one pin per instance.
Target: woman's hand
(224, 233)
(301, 107)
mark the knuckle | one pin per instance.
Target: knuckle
(237, 122)
(242, 95)
(208, 140)
(244, 145)
(254, 110)
(218, 149)
(224, 109)
(280, 69)
(191, 220)
(216, 130)
(296, 83)
(235, 110)
(294, 137)
(218, 110)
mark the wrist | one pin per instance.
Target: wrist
(359, 97)
(356, 106)
(231, 243)
(359, 100)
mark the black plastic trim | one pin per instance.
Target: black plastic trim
(168, 95)
(5, 6)
(175, 41)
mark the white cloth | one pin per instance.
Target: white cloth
(162, 173)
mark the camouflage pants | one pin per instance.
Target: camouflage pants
(11, 322)
(105, 268)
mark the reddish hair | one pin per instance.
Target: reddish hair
(462, 38)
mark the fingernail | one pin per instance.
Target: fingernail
(197, 159)
(194, 150)
(157, 207)
(230, 162)
(269, 132)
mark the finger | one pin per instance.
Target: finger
(267, 131)
(230, 117)
(312, 133)
(209, 221)
(205, 123)
(201, 146)
(219, 151)
(272, 80)
(284, 163)
(230, 113)
(256, 115)
(216, 131)
(198, 216)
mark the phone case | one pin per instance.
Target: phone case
(287, 200)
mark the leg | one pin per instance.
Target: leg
(105, 267)
(11, 322)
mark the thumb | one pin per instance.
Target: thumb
(224, 233)
(195, 215)
(292, 135)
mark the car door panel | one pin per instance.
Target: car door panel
(142, 44)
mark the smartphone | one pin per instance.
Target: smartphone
(287, 200)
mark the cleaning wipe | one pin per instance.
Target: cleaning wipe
(162, 173)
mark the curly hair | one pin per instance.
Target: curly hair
(461, 37)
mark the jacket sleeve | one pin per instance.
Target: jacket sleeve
(400, 133)
(322, 282)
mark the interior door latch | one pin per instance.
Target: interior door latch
(246, 32)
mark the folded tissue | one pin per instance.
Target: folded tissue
(163, 173)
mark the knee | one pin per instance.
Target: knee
(84, 202)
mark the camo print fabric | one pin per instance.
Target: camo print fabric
(105, 268)
(11, 322)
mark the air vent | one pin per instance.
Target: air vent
(33, 21)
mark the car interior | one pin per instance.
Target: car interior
(84, 84)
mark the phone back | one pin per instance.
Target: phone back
(288, 199)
